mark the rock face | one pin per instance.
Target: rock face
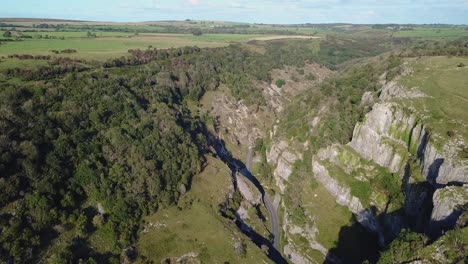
(393, 90)
(440, 169)
(309, 234)
(252, 196)
(281, 155)
(380, 137)
(242, 125)
(389, 134)
(447, 207)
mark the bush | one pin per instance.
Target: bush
(280, 83)
(310, 77)
(461, 65)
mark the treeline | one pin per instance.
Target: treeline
(29, 57)
(46, 72)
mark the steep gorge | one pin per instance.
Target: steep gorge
(393, 174)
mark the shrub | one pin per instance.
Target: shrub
(7, 34)
(197, 32)
(280, 83)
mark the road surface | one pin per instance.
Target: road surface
(274, 220)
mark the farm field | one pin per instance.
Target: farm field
(99, 48)
(433, 33)
(103, 48)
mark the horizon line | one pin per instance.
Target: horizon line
(226, 21)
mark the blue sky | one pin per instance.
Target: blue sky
(260, 11)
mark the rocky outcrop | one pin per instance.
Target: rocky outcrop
(448, 204)
(239, 124)
(393, 90)
(343, 197)
(441, 169)
(389, 134)
(309, 233)
(281, 155)
(294, 256)
(252, 196)
(380, 137)
(189, 258)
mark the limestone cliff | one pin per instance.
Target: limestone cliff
(390, 135)
(284, 157)
(448, 203)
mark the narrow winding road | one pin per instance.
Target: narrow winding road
(238, 167)
(274, 220)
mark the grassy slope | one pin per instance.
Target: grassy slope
(199, 228)
(446, 108)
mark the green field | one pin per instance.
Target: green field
(102, 48)
(77, 34)
(433, 33)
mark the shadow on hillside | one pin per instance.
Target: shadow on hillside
(355, 245)
(438, 228)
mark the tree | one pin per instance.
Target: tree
(90, 35)
(197, 32)
(405, 248)
(7, 34)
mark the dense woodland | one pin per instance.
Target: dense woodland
(88, 146)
